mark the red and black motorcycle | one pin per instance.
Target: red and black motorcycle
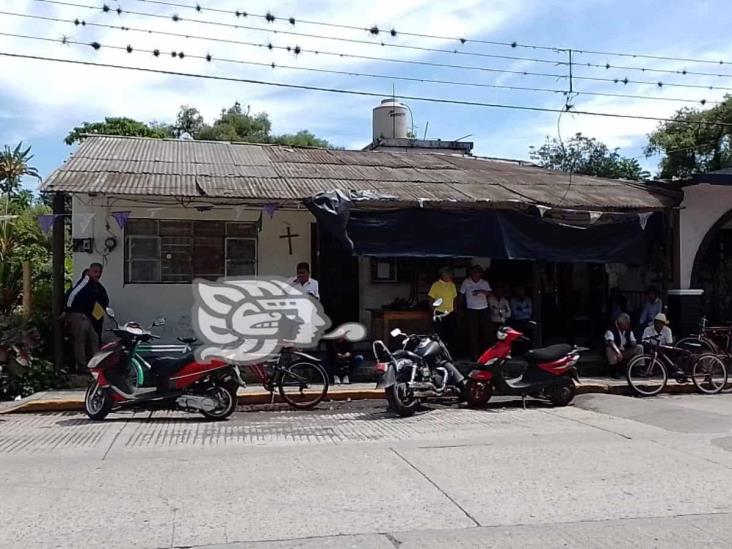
(180, 383)
(549, 375)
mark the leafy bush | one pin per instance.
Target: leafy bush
(22, 371)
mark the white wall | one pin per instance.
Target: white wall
(374, 296)
(702, 207)
(145, 302)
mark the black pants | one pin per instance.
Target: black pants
(477, 326)
(446, 330)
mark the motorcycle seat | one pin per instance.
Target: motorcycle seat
(548, 354)
(166, 366)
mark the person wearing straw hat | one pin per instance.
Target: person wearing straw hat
(658, 333)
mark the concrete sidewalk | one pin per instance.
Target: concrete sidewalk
(73, 400)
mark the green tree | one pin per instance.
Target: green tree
(117, 126)
(14, 165)
(189, 121)
(586, 156)
(235, 124)
(303, 138)
(694, 141)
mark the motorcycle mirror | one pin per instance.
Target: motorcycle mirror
(110, 312)
(437, 302)
(159, 321)
(396, 332)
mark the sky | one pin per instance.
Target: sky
(41, 101)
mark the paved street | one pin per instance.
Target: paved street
(610, 471)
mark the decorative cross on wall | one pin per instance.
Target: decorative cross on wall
(289, 236)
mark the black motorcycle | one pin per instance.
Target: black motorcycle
(422, 369)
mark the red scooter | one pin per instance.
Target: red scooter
(181, 383)
(549, 375)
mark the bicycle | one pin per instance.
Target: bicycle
(712, 339)
(648, 373)
(298, 377)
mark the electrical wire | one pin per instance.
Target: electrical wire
(393, 32)
(208, 57)
(297, 50)
(342, 91)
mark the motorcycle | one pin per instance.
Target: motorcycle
(181, 383)
(422, 369)
(549, 375)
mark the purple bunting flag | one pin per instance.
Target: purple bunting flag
(270, 209)
(121, 218)
(46, 222)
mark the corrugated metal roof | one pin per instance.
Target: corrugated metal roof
(156, 167)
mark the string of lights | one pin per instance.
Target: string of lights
(297, 50)
(375, 30)
(343, 91)
(269, 17)
(179, 53)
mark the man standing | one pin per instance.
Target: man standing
(475, 291)
(85, 309)
(652, 308)
(303, 280)
(621, 346)
(521, 310)
(500, 312)
(444, 289)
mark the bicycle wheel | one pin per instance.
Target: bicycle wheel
(694, 345)
(709, 374)
(646, 375)
(303, 384)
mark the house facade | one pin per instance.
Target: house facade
(159, 213)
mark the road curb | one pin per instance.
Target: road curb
(37, 404)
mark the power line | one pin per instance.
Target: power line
(363, 93)
(298, 50)
(269, 17)
(129, 48)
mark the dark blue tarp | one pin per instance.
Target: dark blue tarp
(488, 233)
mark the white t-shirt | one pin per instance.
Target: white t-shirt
(650, 333)
(479, 301)
(627, 339)
(310, 287)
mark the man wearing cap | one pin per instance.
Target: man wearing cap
(658, 333)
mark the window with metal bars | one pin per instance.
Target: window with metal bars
(162, 251)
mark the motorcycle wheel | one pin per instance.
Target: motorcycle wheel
(226, 397)
(563, 392)
(400, 399)
(478, 393)
(97, 402)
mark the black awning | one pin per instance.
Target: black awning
(488, 233)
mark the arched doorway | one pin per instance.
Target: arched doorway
(712, 270)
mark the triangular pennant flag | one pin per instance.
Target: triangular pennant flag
(80, 222)
(594, 216)
(46, 222)
(542, 209)
(270, 209)
(643, 219)
(121, 218)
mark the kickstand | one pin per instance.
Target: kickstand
(272, 401)
(523, 400)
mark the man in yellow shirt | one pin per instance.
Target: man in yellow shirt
(445, 289)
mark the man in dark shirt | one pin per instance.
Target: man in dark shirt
(85, 308)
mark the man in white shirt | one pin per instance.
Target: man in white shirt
(658, 333)
(303, 280)
(500, 312)
(475, 291)
(621, 345)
